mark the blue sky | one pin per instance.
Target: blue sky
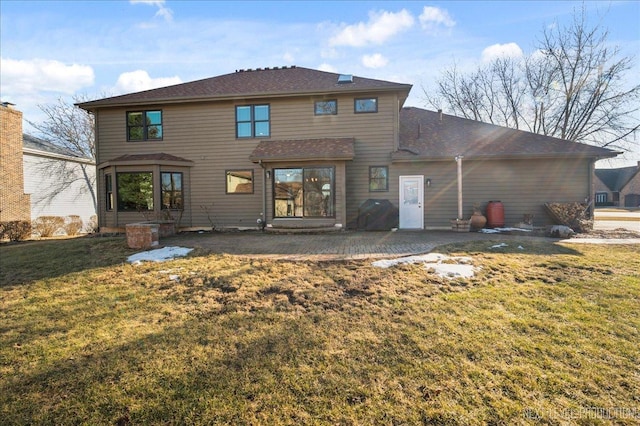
(52, 49)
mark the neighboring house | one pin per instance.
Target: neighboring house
(302, 148)
(14, 202)
(59, 181)
(618, 187)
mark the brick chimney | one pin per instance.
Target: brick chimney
(14, 203)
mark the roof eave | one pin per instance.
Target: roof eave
(259, 160)
(150, 162)
(427, 158)
(93, 105)
(53, 155)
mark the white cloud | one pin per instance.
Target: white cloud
(163, 12)
(508, 50)
(381, 26)
(433, 18)
(136, 81)
(374, 61)
(288, 58)
(328, 68)
(33, 75)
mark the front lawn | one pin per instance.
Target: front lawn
(543, 334)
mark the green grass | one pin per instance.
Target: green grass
(544, 335)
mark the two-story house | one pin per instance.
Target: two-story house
(301, 148)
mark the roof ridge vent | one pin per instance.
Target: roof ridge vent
(345, 79)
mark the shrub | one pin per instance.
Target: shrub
(73, 224)
(46, 226)
(16, 230)
(92, 225)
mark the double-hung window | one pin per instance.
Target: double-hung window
(171, 195)
(108, 184)
(252, 121)
(144, 125)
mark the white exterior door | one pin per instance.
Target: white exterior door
(411, 201)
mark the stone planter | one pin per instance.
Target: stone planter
(460, 225)
(142, 235)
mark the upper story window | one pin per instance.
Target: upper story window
(364, 105)
(329, 107)
(144, 125)
(252, 121)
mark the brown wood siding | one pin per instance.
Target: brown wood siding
(205, 134)
(523, 186)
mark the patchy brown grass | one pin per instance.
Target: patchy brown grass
(545, 334)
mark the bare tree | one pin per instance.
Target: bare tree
(71, 129)
(575, 86)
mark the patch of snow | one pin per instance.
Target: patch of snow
(499, 245)
(499, 230)
(174, 277)
(158, 255)
(435, 261)
(520, 248)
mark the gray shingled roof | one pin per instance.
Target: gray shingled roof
(250, 83)
(304, 149)
(616, 179)
(430, 136)
(33, 142)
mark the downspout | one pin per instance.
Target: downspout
(592, 195)
(262, 220)
(459, 162)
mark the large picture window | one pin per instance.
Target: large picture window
(135, 191)
(252, 121)
(304, 192)
(239, 181)
(144, 125)
(172, 197)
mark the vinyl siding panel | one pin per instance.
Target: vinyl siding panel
(523, 186)
(42, 177)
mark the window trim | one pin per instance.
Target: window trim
(162, 190)
(226, 181)
(252, 121)
(325, 101)
(386, 179)
(145, 127)
(355, 105)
